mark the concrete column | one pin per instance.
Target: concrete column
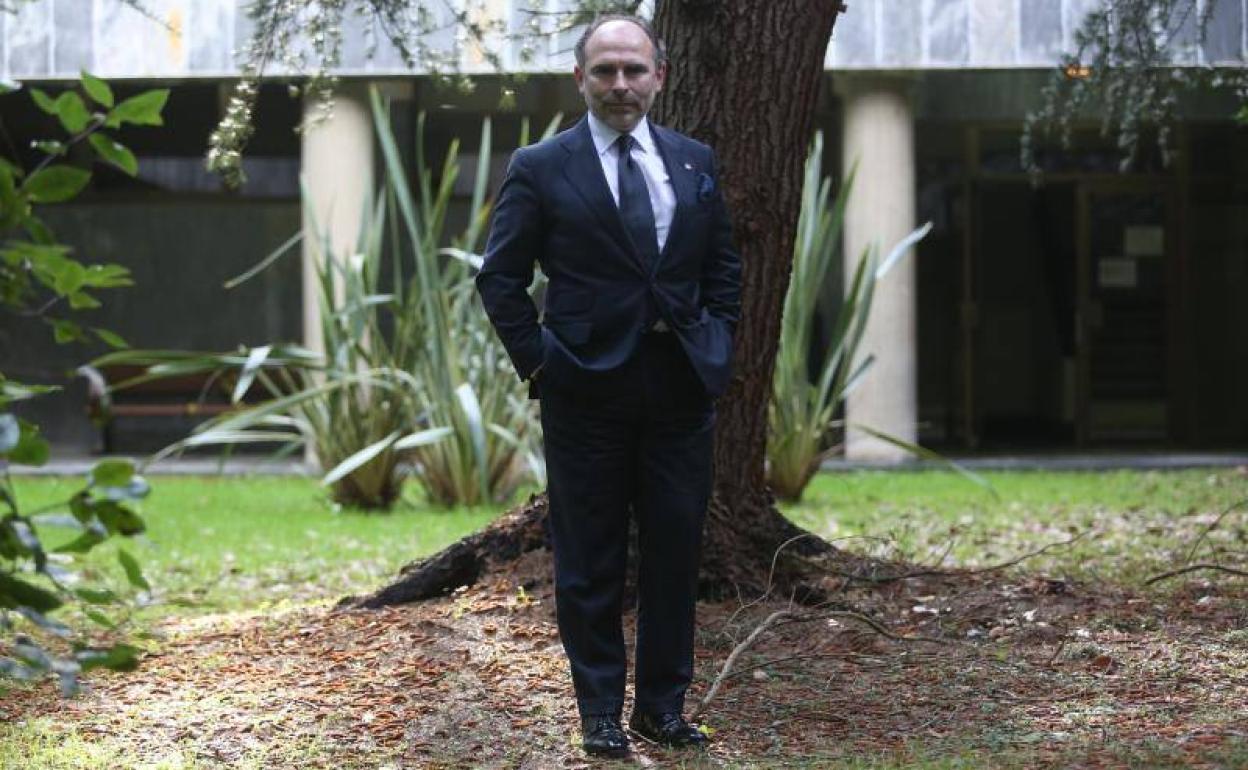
(337, 169)
(879, 138)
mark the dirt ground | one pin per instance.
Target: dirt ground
(1017, 669)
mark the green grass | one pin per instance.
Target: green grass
(221, 544)
(43, 744)
(1131, 523)
(226, 544)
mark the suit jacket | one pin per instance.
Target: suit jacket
(556, 209)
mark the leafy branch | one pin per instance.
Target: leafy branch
(1131, 65)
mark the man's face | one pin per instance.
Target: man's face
(620, 79)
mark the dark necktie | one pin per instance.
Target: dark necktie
(635, 207)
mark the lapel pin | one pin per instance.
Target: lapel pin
(689, 167)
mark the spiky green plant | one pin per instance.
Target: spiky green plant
(802, 425)
(412, 379)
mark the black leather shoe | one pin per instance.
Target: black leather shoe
(668, 729)
(602, 736)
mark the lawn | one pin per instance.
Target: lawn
(226, 544)
(1128, 524)
(1124, 674)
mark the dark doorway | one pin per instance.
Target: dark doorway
(1071, 311)
(1024, 321)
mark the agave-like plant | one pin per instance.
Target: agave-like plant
(806, 392)
(411, 379)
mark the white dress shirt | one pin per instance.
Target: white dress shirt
(646, 155)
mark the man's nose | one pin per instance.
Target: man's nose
(619, 84)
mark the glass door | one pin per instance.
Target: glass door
(1122, 313)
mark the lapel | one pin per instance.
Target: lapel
(682, 171)
(584, 171)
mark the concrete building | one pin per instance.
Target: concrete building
(1099, 309)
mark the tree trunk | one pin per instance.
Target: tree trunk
(744, 79)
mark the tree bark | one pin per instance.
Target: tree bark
(744, 79)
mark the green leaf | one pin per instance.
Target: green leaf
(16, 391)
(9, 86)
(11, 545)
(55, 184)
(118, 519)
(15, 593)
(38, 231)
(359, 459)
(31, 448)
(43, 101)
(112, 339)
(115, 152)
(112, 473)
(107, 276)
(255, 359)
(422, 438)
(14, 208)
(141, 110)
(97, 89)
(96, 595)
(80, 300)
(64, 331)
(133, 573)
(72, 112)
(83, 543)
(120, 657)
(99, 617)
(68, 275)
(83, 507)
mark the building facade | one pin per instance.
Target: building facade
(1097, 309)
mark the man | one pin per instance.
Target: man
(628, 223)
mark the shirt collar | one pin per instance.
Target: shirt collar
(604, 136)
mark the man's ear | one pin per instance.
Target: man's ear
(578, 75)
(660, 74)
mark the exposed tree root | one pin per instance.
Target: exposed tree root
(465, 562)
(736, 555)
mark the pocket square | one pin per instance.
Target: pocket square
(706, 187)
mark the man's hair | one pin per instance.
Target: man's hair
(660, 52)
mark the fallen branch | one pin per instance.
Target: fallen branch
(951, 572)
(1191, 552)
(771, 620)
(1195, 568)
(775, 619)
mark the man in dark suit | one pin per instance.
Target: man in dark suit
(627, 221)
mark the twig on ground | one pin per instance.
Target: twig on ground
(946, 573)
(1195, 568)
(780, 616)
(771, 620)
(1204, 533)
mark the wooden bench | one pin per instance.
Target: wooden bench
(200, 395)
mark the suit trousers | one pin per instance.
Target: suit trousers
(634, 441)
